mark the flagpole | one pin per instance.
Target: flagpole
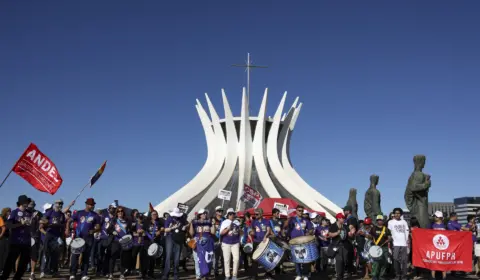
(81, 192)
(6, 177)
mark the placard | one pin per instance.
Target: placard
(224, 195)
(183, 208)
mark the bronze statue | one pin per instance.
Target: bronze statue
(372, 201)
(416, 193)
(352, 202)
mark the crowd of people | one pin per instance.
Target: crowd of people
(221, 243)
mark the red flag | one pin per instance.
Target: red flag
(150, 207)
(442, 250)
(38, 170)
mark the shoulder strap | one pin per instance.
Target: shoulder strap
(119, 223)
(381, 235)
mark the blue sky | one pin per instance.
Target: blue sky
(380, 82)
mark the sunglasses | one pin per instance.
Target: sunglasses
(258, 214)
(119, 211)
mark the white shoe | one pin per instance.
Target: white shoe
(42, 275)
(85, 278)
(305, 278)
(72, 277)
(298, 278)
(32, 276)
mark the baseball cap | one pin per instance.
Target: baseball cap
(379, 217)
(340, 216)
(438, 214)
(202, 211)
(219, 208)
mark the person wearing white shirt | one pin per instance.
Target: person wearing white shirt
(400, 232)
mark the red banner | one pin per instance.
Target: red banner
(442, 250)
(38, 170)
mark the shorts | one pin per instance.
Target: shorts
(477, 250)
(35, 250)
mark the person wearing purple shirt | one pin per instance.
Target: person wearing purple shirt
(261, 231)
(18, 222)
(105, 243)
(175, 227)
(453, 223)
(56, 225)
(202, 231)
(438, 225)
(139, 245)
(298, 226)
(119, 228)
(87, 223)
(230, 232)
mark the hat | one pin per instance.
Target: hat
(339, 216)
(305, 211)
(23, 199)
(202, 211)
(46, 206)
(59, 201)
(176, 213)
(379, 217)
(438, 214)
(313, 215)
(113, 204)
(230, 210)
(347, 208)
(218, 208)
(368, 221)
(90, 201)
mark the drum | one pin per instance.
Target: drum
(248, 248)
(155, 250)
(32, 241)
(281, 243)
(304, 249)
(126, 242)
(375, 252)
(268, 254)
(77, 246)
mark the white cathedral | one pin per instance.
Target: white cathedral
(247, 150)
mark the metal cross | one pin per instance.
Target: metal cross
(247, 68)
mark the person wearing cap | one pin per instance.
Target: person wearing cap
(175, 235)
(18, 223)
(438, 224)
(380, 236)
(55, 227)
(88, 222)
(338, 232)
(400, 235)
(299, 226)
(230, 233)
(260, 231)
(472, 226)
(364, 244)
(216, 222)
(202, 231)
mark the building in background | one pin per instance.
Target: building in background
(445, 207)
(465, 206)
(247, 150)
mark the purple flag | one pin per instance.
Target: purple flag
(205, 256)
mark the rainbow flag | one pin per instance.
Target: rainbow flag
(97, 175)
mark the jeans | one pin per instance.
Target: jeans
(85, 255)
(341, 258)
(230, 250)
(172, 249)
(94, 253)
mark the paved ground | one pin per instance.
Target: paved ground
(190, 275)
